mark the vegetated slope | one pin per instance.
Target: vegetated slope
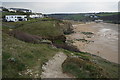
(45, 27)
(110, 17)
(51, 29)
(22, 55)
(23, 60)
(85, 65)
(75, 17)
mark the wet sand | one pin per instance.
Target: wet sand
(103, 42)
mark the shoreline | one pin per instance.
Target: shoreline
(103, 41)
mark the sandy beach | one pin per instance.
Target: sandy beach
(102, 42)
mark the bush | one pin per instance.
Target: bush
(54, 39)
(67, 47)
(87, 33)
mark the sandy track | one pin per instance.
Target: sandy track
(53, 68)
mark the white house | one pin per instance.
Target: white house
(11, 10)
(15, 18)
(0, 10)
(3, 9)
(19, 9)
(99, 20)
(36, 16)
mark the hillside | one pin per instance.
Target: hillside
(29, 45)
(23, 57)
(18, 57)
(75, 17)
(111, 17)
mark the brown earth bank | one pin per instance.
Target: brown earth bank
(100, 39)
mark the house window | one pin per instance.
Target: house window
(15, 19)
(19, 17)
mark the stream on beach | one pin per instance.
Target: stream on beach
(104, 41)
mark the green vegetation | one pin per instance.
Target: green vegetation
(85, 65)
(112, 68)
(18, 56)
(87, 33)
(111, 17)
(107, 14)
(58, 42)
(82, 69)
(84, 40)
(75, 17)
(24, 59)
(46, 29)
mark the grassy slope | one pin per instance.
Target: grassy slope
(47, 28)
(111, 68)
(110, 17)
(26, 55)
(32, 56)
(38, 27)
(76, 17)
(89, 66)
(107, 14)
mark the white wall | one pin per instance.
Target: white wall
(15, 18)
(36, 16)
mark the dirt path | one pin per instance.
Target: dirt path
(53, 68)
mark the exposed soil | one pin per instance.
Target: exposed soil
(53, 68)
(25, 36)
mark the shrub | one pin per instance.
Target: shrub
(87, 33)
(67, 47)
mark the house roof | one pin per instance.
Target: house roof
(20, 9)
(15, 15)
(36, 14)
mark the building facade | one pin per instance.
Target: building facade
(15, 18)
(36, 16)
(20, 10)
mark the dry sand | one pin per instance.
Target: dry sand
(105, 39)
